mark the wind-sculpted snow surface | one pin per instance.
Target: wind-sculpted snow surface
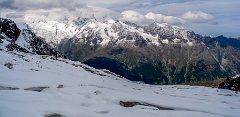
(41, 86)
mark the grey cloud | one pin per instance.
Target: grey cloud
(186, 18)
(137, 17)
(199, 17)
(7, 4)
(40, 4)
(225, 12)
(14, 15)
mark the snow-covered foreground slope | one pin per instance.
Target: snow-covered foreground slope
(75, 90)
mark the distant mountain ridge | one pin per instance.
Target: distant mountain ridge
(155, 54)
(110, 31)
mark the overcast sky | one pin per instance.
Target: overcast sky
(206, 17)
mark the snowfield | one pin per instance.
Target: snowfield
(40, 86)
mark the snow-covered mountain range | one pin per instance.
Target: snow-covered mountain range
(33, 85)
(108, 31)
(171, 53)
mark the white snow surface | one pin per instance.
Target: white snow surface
(85, 94)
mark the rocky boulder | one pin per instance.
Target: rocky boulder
(231, 84)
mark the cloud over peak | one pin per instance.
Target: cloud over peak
(132, 16)
(160, 18)
(198, 17)
(186, 18)
(136, 17)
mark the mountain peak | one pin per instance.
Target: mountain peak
(107, 31)
(108, 20)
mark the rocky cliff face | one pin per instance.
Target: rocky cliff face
(23, 40)
(9, 28)
(155, 54)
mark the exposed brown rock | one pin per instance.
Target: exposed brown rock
(231, 84)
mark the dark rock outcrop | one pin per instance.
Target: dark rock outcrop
(231, 84)
(54, 115)
(9, 65)
(9, 28)
(60, 86)
(8, 88)
(132, 104)
(38, 46)
(37, 89)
